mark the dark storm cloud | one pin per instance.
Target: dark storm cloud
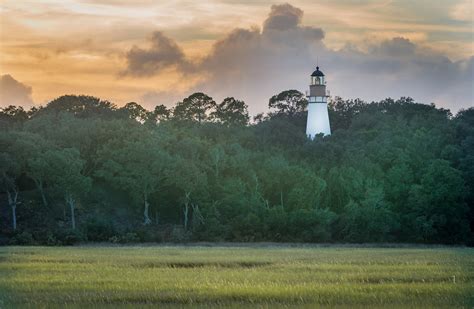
(253, 65)
(13, 92)
(162, 53)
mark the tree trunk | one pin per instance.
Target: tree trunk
(70, 201)
(146, 211)
(43, 196)
(39, 185)
(198, 219)
(14, 216)
(186, 211)
(216, 164)
(281, 198)
(12, 201)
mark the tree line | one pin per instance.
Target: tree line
(83, 169)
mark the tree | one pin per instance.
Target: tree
(393, 170)
(81, 106)
(16, 147)
(9, 173)
(341, 112)
(196, 107)
(217, 155)
(65, 176)
(135, 111)
(438, 211)
(38, 170)
(232, 112)
(160, 113)
(464, 123)
(14, 113)
(137, 166)
(289, 102)
(369, 219)
(260, 117)
(189, 179)
(28, 149)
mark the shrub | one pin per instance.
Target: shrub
(97, 229)
(311, 225)
(67, 237)
(22, 238)
(178, 234)
(51, 240)
(129, 238)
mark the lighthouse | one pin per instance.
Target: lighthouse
(318, 118)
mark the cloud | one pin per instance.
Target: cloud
(13, 92)
(283, 17)
(162, 53)
(397, 47)
(118, 2)
(463, 11)
(253, 64)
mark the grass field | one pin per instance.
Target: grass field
(266, 277)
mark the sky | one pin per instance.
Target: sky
(158, 52)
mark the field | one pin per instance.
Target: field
(259, 277)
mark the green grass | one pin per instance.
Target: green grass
(266, 277)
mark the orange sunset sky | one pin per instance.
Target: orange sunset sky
(157, 52)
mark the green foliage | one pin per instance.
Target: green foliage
(393, 170)
(197, 107)
(135, 111)
(160, 113)
(80, 106)
(22, 238)
(99, 229)
(232, 112)
(289, 102)
(311, 225)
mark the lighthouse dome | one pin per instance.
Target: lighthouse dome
(317, 72)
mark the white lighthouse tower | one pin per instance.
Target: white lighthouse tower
(318, 118)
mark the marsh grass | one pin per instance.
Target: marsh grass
(270, 277)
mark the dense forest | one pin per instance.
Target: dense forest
(83, 169)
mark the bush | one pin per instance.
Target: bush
(51, 240)
(367, 222)
(247, 228)
(124, 239)
(178, 234)
(311, 225)
(66, 237)
(149, 234)
(23, 238)
(97, 229)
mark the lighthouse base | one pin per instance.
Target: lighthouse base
(318, 120)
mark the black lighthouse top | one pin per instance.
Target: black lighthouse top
(317, 72)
